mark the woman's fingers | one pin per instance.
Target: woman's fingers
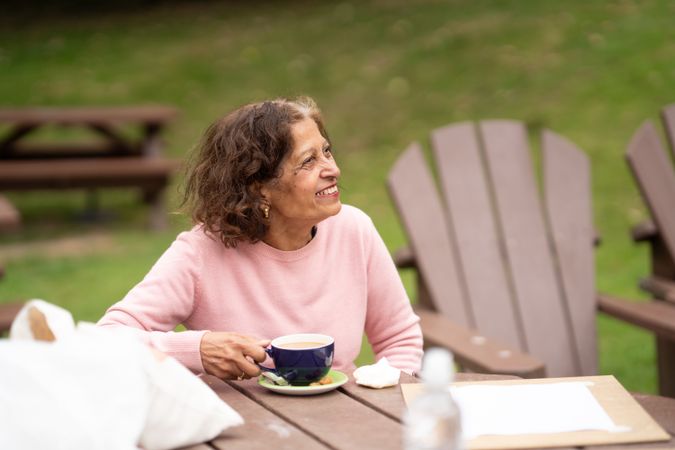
(232, 355)
(229, 371)
(256, 352)
(248, 367)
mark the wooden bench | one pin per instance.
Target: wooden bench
(8, 312)
(150, 175)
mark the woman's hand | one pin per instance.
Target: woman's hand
(231, 355)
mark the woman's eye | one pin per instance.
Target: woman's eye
(308, 161)
(328, 151)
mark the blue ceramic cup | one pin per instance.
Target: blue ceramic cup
(301, 358)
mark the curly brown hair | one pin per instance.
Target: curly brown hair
(236, 156)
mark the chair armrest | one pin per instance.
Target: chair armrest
(656, 316)
(404, 258)
(645, 231)
(475, 352)
(660, 288)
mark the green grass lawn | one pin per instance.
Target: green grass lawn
(385, 74)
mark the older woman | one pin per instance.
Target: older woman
(273, 252)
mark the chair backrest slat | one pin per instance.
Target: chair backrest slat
(655, 177)
(412, 188)
(526, 244)
(456, 150)
(567, 190)
(668, 118)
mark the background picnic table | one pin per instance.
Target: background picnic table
(384, 73)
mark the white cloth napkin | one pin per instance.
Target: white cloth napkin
(377, 375)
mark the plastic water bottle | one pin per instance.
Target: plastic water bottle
(432, 420)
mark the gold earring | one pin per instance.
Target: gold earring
(266, 211)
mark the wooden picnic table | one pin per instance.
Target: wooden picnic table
(351, 417)
(104, 121)
(124, 151)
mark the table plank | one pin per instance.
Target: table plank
(334, 418)
(70, 150)
(261, 426)
(662, 409)
(197, 447)
(151, 114)
(387, 401)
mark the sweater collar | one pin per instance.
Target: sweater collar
(268, 251)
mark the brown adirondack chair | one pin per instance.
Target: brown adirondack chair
(653, 171)
(505, 280)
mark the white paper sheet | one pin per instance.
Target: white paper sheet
(530, 409)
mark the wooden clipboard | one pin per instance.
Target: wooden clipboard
(610, 394)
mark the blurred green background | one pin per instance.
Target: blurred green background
(384, 72)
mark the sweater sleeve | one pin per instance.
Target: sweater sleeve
(391, 325)
(163, 299)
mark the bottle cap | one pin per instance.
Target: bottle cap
(438, 367)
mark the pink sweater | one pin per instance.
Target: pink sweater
(342, 283)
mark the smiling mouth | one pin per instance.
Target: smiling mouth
(328, 191)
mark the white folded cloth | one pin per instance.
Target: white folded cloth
(378, 375)
(67, 390)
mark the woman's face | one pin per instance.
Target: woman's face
(307, 192)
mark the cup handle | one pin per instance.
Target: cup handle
(269, 351)
(273, 374)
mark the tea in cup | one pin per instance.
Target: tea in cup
(302, 358)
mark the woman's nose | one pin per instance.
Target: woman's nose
(330, 168)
